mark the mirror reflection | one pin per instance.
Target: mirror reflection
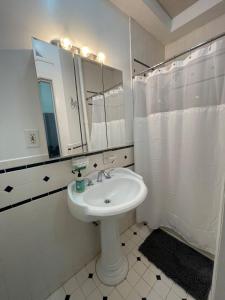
(94, 104)
(49, 116)
(55, 67)
(114, 106)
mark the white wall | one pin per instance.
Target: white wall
(145, 48)
(197, 36)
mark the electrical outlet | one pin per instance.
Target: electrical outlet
(32, 138)
(109, 157)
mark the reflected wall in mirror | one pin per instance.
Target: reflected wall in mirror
(56, 77)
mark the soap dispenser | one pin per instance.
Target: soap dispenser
(80, 183)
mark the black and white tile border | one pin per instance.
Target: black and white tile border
(32, 199)
(52, 161)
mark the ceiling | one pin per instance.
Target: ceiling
(169, 20)
(175, 7)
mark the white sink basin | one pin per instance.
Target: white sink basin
(104, 201)
(123, 192)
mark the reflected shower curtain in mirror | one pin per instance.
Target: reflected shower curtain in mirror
(98, 126)
(179, 139)
(115, 121)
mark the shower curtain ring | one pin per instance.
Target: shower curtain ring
(190, 54)
(210, 45)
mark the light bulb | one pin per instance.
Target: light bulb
(101, 57)
(85, 51)
(66, 43)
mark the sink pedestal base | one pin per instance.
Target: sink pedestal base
(112, 266)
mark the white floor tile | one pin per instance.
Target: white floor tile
(149, 277)
(71, 285)
(95, 295)
(155, 270)
(166, 280)
(136, 228)
(172, 296)
(153, 296)
(132, 277)
(114, 296)
(129, 246)
(145, 261)
(105, 289)
(144, 232)
(161, 289)
(136, 253)
(124, 288)
(136, 240)
(133, 295)
(88, 287)
(82, 276)
(142, 288)
(131, 259)
(77, 295)
(179, 291)
(139, 268)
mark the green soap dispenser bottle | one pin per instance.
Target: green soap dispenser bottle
(80, 183)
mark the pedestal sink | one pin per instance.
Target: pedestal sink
(105, 201)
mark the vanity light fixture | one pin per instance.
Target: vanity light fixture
(101, 57)
(85, 51)
(66, 44)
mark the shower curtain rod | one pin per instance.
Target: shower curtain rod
(180, 54)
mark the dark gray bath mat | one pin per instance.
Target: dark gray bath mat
(188, 268)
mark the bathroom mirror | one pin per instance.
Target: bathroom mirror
(59, 100)
(85, 98)
(88, 110)
(62, 104)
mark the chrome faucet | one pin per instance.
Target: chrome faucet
(101, 174)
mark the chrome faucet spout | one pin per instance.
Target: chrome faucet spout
(101, 174)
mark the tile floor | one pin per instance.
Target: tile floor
(144, 281)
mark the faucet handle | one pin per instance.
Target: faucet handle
(107, 174)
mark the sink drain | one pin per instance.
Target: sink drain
(107, 201)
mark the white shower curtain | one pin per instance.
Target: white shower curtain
(179, 138)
